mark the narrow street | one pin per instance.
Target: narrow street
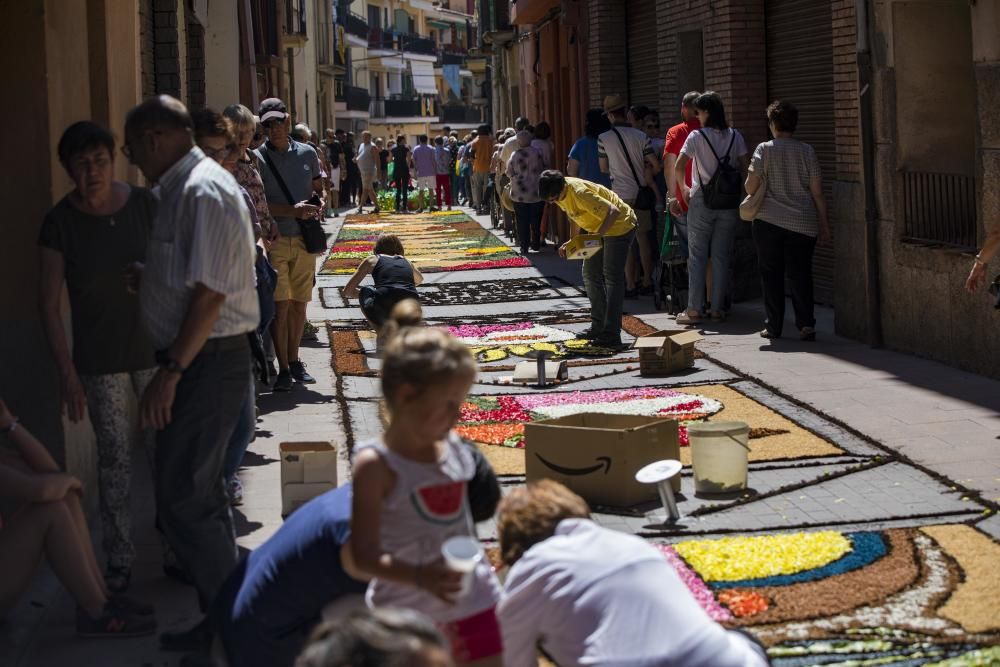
(873, 443)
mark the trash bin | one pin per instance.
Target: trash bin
(719, 456)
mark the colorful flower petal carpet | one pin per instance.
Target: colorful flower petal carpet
(444, 241)
(839, 552)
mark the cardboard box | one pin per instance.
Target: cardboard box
(307, 470)
(666, 351)
(598, 455)
(584, 246)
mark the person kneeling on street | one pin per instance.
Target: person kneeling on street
(597, 210)
(594, 596)
(395, 278)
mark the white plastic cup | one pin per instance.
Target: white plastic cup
(462, 553)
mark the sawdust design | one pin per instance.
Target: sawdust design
(433, 242)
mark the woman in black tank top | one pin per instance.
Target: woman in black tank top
(395, 279)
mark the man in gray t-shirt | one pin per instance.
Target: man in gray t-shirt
(298, 165)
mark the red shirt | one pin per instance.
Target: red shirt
(676, 136)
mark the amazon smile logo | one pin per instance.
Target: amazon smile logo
(603, 462)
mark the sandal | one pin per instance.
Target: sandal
(118, 579)
(685, 318)
(807, 334)
(717, 316)
(764, 333)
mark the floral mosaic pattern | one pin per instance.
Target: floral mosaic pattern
(496, 342)
(434, 242)
(500, 420)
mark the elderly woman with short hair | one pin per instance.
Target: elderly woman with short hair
(524, 169)
(87, 241)
(792, 216)
(594, 596)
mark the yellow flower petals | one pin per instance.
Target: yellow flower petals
(739, 558)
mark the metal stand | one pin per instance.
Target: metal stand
(660, 473)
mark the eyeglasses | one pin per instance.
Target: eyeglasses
(218, 154)
(271, 124)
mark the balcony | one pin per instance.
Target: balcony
(354, 98)
(400, 41)
(295, 24)
(424, 107)
(447, 58)
(403, 108)
(354, 25)
(460, 113)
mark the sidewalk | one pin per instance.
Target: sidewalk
(944, 420)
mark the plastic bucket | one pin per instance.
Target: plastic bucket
(719, 456)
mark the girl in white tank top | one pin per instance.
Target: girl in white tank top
(410, 494)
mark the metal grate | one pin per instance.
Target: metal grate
(939, 208)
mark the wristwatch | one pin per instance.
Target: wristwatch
(168, 363)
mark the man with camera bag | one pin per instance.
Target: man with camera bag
(293, 186)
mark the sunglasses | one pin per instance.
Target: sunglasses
(271, 124)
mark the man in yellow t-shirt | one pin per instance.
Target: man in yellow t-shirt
(482, 152)
(597, 210)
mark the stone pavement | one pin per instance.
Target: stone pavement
(884, 410)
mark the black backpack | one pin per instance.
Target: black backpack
(724, 191)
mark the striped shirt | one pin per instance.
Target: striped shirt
(787, 166)
(202, 234)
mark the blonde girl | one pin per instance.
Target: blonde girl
(410, 493)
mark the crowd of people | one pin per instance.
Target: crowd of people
(188, 296)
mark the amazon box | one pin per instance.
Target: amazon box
(307, 470)
(598, 455)
(667, 351)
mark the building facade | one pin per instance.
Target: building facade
(898, 97)
(405, 67)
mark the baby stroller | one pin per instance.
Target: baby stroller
(670, 280)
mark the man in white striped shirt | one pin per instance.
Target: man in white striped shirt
(198, 302)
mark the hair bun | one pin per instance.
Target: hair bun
(405, 314)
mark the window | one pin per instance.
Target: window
(374, 17)
(690, 62)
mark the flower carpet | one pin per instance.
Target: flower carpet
(839, 552)
(909, 596)
(433, 241)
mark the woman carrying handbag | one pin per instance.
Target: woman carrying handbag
(785, 202)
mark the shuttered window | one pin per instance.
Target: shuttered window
(643, 72)
(800, 71)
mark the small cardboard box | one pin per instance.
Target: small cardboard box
(597, 455)
(584, 246)
(307, 470)
(666, 351)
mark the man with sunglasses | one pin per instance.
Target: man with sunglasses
(292, 176)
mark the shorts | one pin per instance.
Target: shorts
(368, 181)
(335, 179)
(377, 302)
(475, 637)
(426, 183)
(296, 269)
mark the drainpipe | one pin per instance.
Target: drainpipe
(873, 294)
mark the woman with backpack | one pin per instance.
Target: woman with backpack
(719, 155)
(792, 215)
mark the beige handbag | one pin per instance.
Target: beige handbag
(750, 206)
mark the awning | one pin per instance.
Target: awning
(392, 63)
(423, 77)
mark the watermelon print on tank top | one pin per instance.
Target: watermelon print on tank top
(427, 505)
(440, 503)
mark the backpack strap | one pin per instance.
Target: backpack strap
(628, 158)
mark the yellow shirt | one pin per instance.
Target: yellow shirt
(587, 205)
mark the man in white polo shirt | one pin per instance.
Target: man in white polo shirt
(198, 301)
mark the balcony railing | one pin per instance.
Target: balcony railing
(354, 25)
(451, 58)
(940, 208)
(295, 17)
(400, 41)
(357, 98)
(459, 113)
(376, 109)
(403, 108)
